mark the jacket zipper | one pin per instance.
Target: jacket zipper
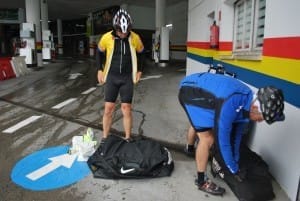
(121, 57)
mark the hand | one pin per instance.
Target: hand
(100, 77)
(138, 77)
(241, 175)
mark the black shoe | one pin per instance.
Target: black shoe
(128, 139)
(210, 187)
(189, 153)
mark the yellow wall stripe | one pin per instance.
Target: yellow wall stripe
(282, 68)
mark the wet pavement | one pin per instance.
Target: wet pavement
(65, 99)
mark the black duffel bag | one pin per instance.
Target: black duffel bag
(254, 182)
(138, 158)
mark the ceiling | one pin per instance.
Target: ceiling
(74, 9)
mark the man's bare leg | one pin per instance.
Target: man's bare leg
(127, 119)
(191, 136)
(107, 118)
(206, 140)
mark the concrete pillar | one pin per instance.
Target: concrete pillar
(164, 46)
(46, 34)
(160, 7)
(21, 14)
(33, 15)
(59, 37)
(90, 34)
(44, 14)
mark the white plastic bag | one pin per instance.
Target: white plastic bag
(83, 146)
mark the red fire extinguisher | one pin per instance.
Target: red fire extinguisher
(214, 35)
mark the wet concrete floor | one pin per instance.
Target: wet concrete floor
(65, 99)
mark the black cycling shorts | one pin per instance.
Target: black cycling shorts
(118, 84)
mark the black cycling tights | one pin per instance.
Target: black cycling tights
(119, 83)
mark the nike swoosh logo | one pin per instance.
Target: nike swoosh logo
(125, 171)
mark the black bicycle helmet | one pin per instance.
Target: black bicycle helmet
(271, 104)
(122, 21)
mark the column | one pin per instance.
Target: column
(90, 34)
(160, 7)
(33, 15)
(59, 37)
(44, 14)
(46, 34)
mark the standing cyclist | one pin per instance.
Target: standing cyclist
(218, 108)
(117, 60)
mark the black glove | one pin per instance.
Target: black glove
(241, 175)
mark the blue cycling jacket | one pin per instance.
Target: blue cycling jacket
(219, 102)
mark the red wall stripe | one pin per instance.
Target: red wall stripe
(288, 47)
(200, 45)
(225, 46)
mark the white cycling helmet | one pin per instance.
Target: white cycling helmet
(122, 21)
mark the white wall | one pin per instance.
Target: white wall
(198, 20)
(227, 21)
(279, 146)
(198, 27)
(282, 19)
(195, 67)
(279, 143)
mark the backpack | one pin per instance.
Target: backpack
(139, 158)
(257, 182)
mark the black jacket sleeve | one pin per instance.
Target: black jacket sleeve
(100, 59)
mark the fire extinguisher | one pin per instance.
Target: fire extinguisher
(214, 35)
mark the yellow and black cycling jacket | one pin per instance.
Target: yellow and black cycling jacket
(120, 54)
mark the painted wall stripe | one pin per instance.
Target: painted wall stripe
(290, 90)
(257, 79)
(202, 52)
(225, 46)
(62, 104)
(287, 69)
(201, 45)
(285, 47)
(288, 47)
(21, 124)
(89, 90)
(204, 60)
(181, 48)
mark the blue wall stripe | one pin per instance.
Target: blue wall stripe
(291, 90)
(201, 59)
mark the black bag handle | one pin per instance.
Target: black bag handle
(219, 69)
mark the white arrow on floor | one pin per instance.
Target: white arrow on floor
(151, 77)
(73, 76)
(65, 160)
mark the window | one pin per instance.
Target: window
(249, 27)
